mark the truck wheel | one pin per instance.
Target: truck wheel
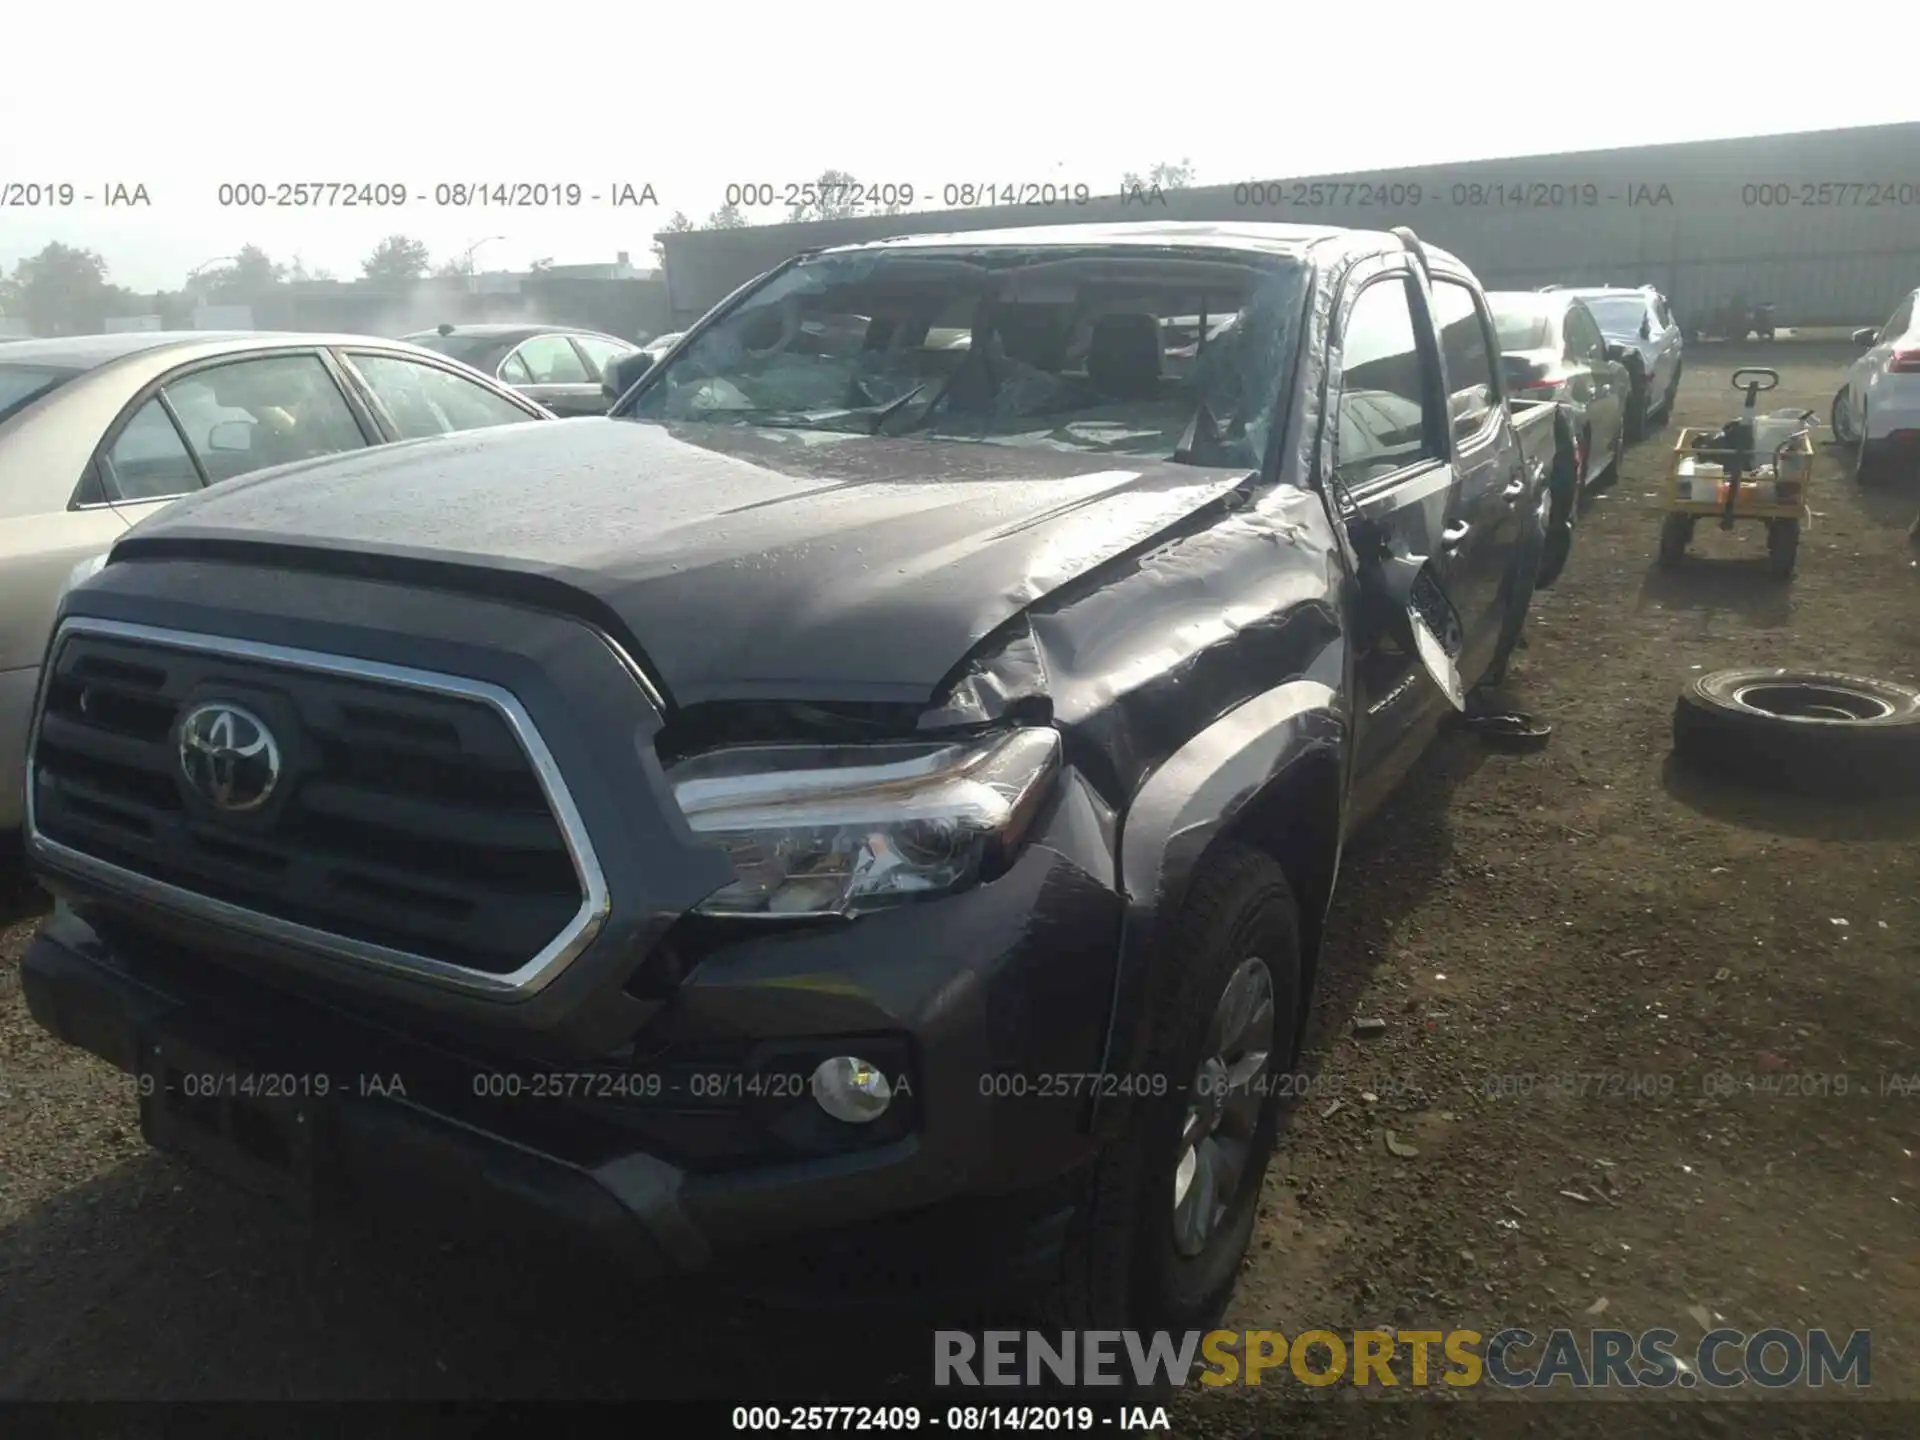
(1169, 1209)
(1803, 730)
(1676, 533)
(1783, 546)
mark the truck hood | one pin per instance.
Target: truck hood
(741, 563)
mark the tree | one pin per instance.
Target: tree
(727, 217)
(398, 259)
(836, 195)
(454, 268)
(1166, 176)
(678, 224)
(298, 272)
(250, 273)
(64, 291)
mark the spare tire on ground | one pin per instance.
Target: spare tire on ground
(1804, 730)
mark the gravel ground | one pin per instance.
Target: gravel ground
(1583, 913)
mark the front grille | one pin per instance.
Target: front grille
(406, 817)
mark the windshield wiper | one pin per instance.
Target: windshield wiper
(1203, 430)
(894, 407)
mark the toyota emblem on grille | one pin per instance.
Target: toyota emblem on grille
(229, 755)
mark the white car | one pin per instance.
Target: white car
(1878, 409)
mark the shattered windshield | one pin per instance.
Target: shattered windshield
(1116, 351)
(1619, 315)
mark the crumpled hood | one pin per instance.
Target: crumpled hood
(744, 563)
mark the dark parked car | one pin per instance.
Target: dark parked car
(898, 848)
(560, 366)
(1641, 321)
(1551, 348)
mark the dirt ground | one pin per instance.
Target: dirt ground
(1569, 949)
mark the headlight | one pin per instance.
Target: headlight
(839, 830)
(82, 573)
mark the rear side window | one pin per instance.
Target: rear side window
(1383, 389)
(424, 400)
(149, 460)
(552, 360)
(249, 414)
(21, 385)
(1469, 356)
(601, 352)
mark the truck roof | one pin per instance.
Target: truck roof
(1225, 235)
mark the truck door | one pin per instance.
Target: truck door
(1486, 528)
(1391, 470)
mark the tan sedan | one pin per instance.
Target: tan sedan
(99, 431)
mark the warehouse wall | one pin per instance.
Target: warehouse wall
(1686, 217)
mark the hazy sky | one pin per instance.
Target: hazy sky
(688, 99)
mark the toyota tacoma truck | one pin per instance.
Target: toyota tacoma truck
(864, 812)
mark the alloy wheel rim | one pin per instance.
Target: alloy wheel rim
(1223, 1110)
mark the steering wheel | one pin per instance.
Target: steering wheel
(789, 331)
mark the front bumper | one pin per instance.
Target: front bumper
(976, 1195)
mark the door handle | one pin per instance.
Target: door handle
(1516, 487)
(1451, 537)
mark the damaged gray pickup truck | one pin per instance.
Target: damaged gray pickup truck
(863, 814)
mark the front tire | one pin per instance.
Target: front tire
(1169, 1210)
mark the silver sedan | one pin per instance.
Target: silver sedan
(99, 431)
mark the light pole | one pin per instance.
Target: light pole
(472, 288)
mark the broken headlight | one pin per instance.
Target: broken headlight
(844, 829)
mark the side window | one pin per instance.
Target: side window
(601, 352)
(1463, 340)
(1383, 391)
(515, 371)
(1662, 313)
(1583, 336)
(424, 400)
(254, 413)
(1897, 323)
(149, 460)
(551, 360)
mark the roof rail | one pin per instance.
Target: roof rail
(1419, 252)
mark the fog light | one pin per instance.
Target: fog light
(850, 1089)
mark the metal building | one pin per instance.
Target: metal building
(1825, 224)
